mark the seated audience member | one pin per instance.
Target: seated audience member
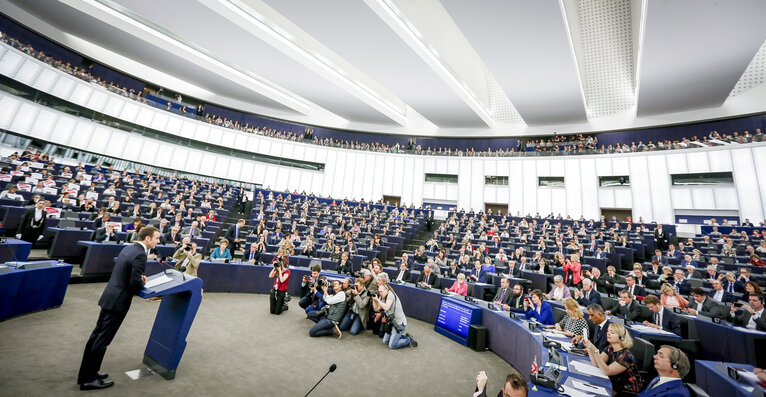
(656, 268)
(403, 275)
(535, 308)
(659, 258)
(670, 298)
(344, 264)
(573, 322)
(633, 288)
(750, 315)
(459, 287)
(435, 269)
(12, 194)
(504, 293)
(607, 281)
(544, 266)
(453, 270)
(719, 294)
(680, 284)
(638, 275)
(628, 308)
(616, 361)
(733, 284)
(587, 296)
(173, 236)
(559, 291)
(308, 248)
(672, 366)
(711, 273)
(327, 322)
(387, 301)
(478, 274)
(598, 326)
(488, 266)
(703, 305)
(515, 386)
(664, 318)
(192, 230)
(516, 303)
(105, 233)
(221, 253)
(692, 272)
(356, 317)
(251, 255)
(188, 259)
(756, 261)
(428, 279)
(687, 261)
(131, 227)
(420, 255)
(751, 288)
(572, 270)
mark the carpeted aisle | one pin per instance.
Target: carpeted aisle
(235, 348)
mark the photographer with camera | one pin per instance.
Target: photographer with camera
(394, 319)
(187, 258)
(280, 274)
(330, 316)
(356, 317)
(309, 287)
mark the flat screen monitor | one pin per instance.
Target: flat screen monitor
(455, 319)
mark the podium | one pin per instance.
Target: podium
(181, 296)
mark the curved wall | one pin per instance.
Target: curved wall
(370, 175)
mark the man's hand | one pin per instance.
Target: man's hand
(749, 309)
(143, 278)
(691, 311)
(576, 339)
(481, 381)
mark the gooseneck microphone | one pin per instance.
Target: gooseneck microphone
(332, 369)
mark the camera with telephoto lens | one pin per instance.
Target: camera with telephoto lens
(187, 247)
(323, 283)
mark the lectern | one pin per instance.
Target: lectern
(181, 295)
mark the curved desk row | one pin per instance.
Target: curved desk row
(25, 291)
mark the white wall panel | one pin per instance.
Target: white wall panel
(660, 188)
(719, 160)
(117, 144)
(252, 144)
(529, 187)
(515, 185)
(620, 166)
(622, 197)
(81, 94)
(377, 181)
(759, 158)
(682, 198)
(130, 112)
(591, 207)
(148, 154)
(747, 184)
(25, 117)
(703, 198)
(63, 88)
(10, 63)
(145, 116)
(606, 198)
(8, 108)
(234, 169)
(159, 121)
(174, 126)
(135, 147)
(28, 72)
(604, 166)
(99, 139)
(573, 187)
(697, 162)
(222, 167)
(246, 173)
(64, 129)
(544, 168)
(726, 198)
(676, 163)
(640, 188)
(44, 124)
(97, 101)
(165, 155)
(202, 132)
(114, 107)
(259, 174)
(46, 80)
(464, 185)
(283, 175)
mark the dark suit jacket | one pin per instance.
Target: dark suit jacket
(432, 280)
(101, 236)
(595, 297)
(674, 388)
(26, 222)
(453, 274)
(633, 313)
(231, 233)
(344, 267)
(710, 308)
(684, 288)
(599, 340)
(727, 297)
(670, 321)
(637, 290)
(743, 318)
(126, 279)
(167, 238)
(516, 303)
(506, 297)
(739, 286)
(406, 276)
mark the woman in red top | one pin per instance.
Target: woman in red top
(756, 261)
(280, 274)
(210, 216)
(575, 268)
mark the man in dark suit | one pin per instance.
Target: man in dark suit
(516, 302)
(629, 308)
(104, 234)
(234, 233)
(704, 305)
(404, 274)
(598, 324)
(587, 296)
(731, 284)
(428, 279)
(308, 248)
(674, 253)
(672, 366)
(478, 274)
(32, 223)
(127, 279)
(719, 294)
(660, 238)
(680, 283)
(633, 288)
(513, 271)
(172, 237)
(607, 281)
(751, 316)
(664, 318)
(504, 293)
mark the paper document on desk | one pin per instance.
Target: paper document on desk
(572, 392)
(586, 368)
(650, 330)
(157, 281)
(590, 388)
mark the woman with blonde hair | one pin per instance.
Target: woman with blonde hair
(670, 298)
(616, 361)
(573, 323)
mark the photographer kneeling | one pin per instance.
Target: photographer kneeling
(187, 258)
(280, 274)
(330, 316)
(356, 317)
(387, 301)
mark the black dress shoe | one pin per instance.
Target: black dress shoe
(96, 384)
(102, 376)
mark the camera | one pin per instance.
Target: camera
(187, 247)
(323, 283)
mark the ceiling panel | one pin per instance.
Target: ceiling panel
(380, 54)
(694, 51)
(526, 46)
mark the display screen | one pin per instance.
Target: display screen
(455, 319)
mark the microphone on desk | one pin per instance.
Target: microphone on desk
(332, 369)
(168, 267)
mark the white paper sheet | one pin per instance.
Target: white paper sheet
(157, 281)
(572, 392)
(589, 388)
(586, 369)
(650, 330)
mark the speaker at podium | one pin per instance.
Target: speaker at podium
(181, 295)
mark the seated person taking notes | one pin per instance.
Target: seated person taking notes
(459, 287)
(573, 322)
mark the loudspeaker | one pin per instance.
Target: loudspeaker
(477, 338)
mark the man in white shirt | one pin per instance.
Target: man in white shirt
(672, 366)
(751, 316)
